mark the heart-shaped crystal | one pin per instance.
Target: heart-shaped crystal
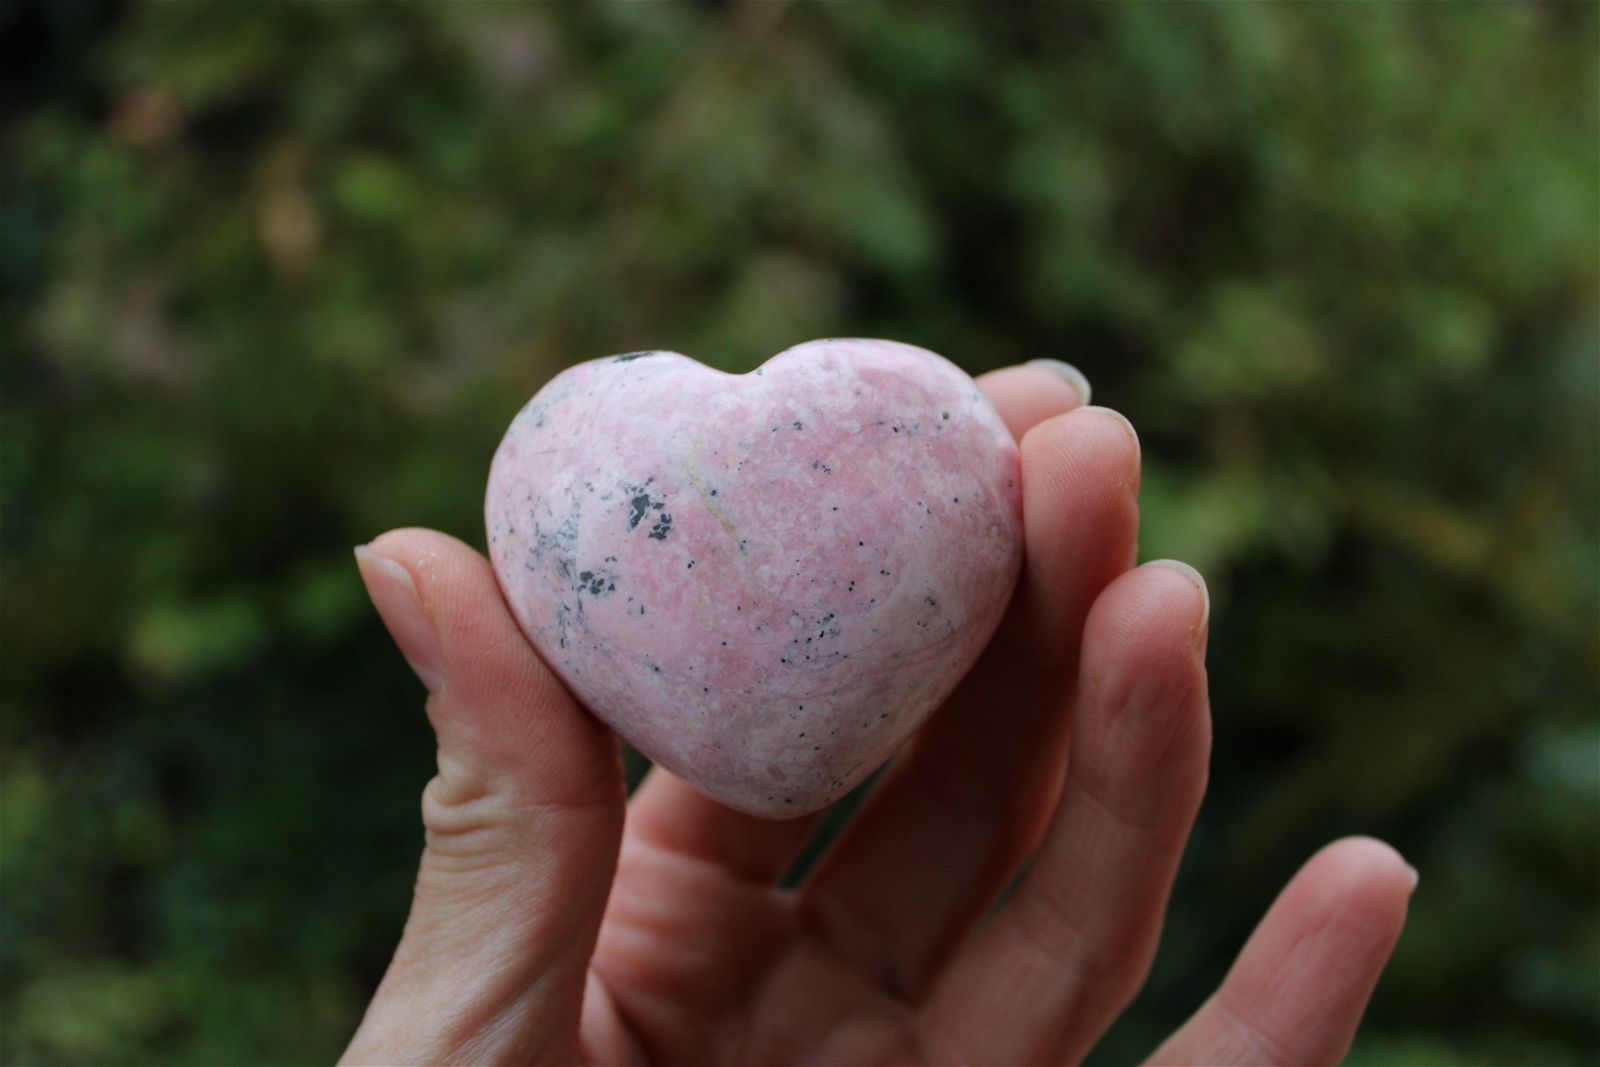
(764, 582)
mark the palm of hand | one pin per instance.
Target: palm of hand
(544, 929)
(713, 969)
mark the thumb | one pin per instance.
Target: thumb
(523, 822)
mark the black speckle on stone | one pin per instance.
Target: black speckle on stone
(944, 415)
(640, 504)
(663, 526)
(797, 424)
(690, 566)
(629, 357)
(640, 501)
(596, 583)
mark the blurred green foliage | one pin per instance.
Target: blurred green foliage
(276, 277)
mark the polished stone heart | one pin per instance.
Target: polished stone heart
(764, 582)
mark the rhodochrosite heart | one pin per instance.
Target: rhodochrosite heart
(764, 582)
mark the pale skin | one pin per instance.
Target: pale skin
(555, 920)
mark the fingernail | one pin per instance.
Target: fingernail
(394, 594)
(1415, 877)
(1074, 377)
(1194, 576)
(1133, 435)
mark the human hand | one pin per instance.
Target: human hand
(556, 921)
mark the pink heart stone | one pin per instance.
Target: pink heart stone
(764, 582)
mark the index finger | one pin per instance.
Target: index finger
(1028, 393)
(953, 819)
(671, 814)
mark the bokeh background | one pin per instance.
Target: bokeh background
(277, 276)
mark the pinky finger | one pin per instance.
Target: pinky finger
(1299, 988)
